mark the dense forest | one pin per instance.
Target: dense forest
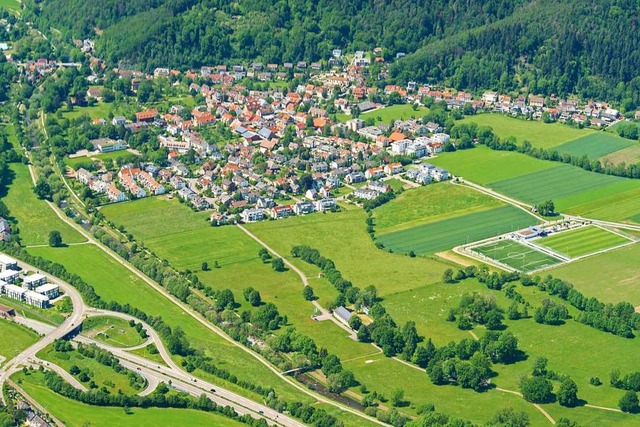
(544, 46)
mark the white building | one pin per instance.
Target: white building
(253, 215)
(9, 276)
(36, 300)
(49, 290)
(34, 280)
(325, 204)
(7, 263)
(14, 292)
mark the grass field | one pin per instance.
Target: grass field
(15, 339)
(146, 353)
(594, 145)
(76, 414)
(429, 204)
(516, 255)
(552, 184)
(342, 237)
(610, 276)
(387, 114)
(35, 219)
(100, 374)
(628, 155)
(451, 232)
(106, 157)
(11, 5)
(114, 283)
(111, 330)
(544, 135)
(483, 165)
(582, 241)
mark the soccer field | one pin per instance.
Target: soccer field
(582, 241)
(516, 255)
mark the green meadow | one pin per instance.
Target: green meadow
(15, 338)
(594, 145)
(582, 241)
(111, 330)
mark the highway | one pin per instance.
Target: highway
(153, 372)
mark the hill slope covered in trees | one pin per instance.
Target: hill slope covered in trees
(547, 46)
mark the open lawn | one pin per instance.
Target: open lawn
(114, 283)
(100, 374)
(111, 330)
(448, 233)
(105, 158)
(35, 219)
(582, 241)
(552, 184)
(516, 255)
(483, 165)
(386, 115)
(429, 204)
(611, 276)
(342, 237)
(76, 414)
(11, 5)
(15, 339)
(544, 135)
(594, 145)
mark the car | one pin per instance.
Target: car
(212, 390)
(261, 412)
(138, 369)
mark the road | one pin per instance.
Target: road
(152, 371)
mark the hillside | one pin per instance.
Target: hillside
(546, 46)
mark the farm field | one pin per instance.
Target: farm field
(76, 414)
(35, 219)
(100, 374)
(539, 134)
(611, 276)
(114, 283)
(448, 233)
(516, 255)
(628, 155)
(342, 237)
(595, 145)
(552, 184)
(111, 330)
(483, 165)
(582, 241)
(15, 339)
(430, 203)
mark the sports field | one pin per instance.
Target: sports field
(594, 145)
(582, 241)
(516, 255)
(552, 184)
(451, 232)
(539, 134)
(429, 204)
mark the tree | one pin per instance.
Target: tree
(447, 276)
(540, 367)
(264, 255)
(278, 265)
(42, 189)
(508, 417)
(252, 296)
(307, 293)
(397, 396)
(629, 403)
(568, 393)
(547, 208)
(536, 390)
(55, 239)
(205, 266)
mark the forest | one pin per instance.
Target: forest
(542, 46)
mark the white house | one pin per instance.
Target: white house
(7, 263)
(36, 300)
(325, 204)
(253, 215)
(49, 290)
(34, 280)
(9, 276)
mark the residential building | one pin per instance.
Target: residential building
(49, 290)
(9, 276)
(343, 315)
(7, 263)
(14, 292)
(325, 204)
(303, 208)
(252, 215)
(281, 211)
(35, 299)
(34, 280)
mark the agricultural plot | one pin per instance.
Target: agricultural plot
(594, 145)
(483, 165)
(35, 219)
(429, 204)
(628, 155)
(451, 232)
(582, 241)
(543, 135)
(516, 255)
(552, 184)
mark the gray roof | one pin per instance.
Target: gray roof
(343, 313)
